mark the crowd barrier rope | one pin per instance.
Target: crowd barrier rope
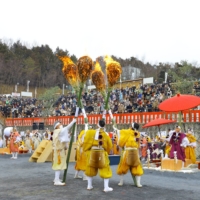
(124, 118)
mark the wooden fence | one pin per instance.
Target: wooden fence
(126, 118)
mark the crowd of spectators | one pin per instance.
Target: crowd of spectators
(146, 98)
(125, 100)
(17, 107)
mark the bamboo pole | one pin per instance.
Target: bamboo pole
(72, 136)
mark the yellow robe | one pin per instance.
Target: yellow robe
(59, 153)
(148, 139)
(127, 140)
(189, 150)
(167, 149)
(80, 154)
(28, 143)
(89, 142)
(115, 146)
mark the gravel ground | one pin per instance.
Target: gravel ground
(23, 180)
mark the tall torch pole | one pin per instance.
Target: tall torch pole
(72, 136)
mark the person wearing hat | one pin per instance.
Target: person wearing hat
(129, 141)
(190, 148)
(60, 139)
(178, 142)
(97, 145)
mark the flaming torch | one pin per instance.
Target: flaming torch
(98, 79)
(76, 75)
(70, 71)
(113, 71)
(85, 65)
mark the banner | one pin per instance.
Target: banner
(26, 94)
(14, 94)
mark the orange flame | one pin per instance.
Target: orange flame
(85, 65)
(113, 70)
(97, 66)
(66, 60)
(98, 78)
(70, 71)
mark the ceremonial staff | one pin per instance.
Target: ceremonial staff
(113, 72)
(76, 75)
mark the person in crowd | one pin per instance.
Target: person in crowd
(129, 108)
(121, 108)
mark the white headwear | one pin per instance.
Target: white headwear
(190, 131)
(7, 131)
(56, 124)
(178, 127)
(143, 134)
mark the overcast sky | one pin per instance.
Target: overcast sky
(151, 30)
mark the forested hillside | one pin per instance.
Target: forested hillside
(41, 66)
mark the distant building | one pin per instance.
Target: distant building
(130, 73)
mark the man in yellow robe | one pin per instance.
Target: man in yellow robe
(81, 155)
(97, 145)
(129, 140)
(60, 139)
(115, 145)
(190, 148)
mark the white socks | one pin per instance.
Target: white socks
(57, 180)
(183, 163)
(138, 178)
(106, 183)
(121, 182)
(76, 174)
(89, 179)
(57, 176)
(84, 176)
(13, 155)
(166, 156)
(106, 187)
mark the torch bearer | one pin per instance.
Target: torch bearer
(76, 75)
